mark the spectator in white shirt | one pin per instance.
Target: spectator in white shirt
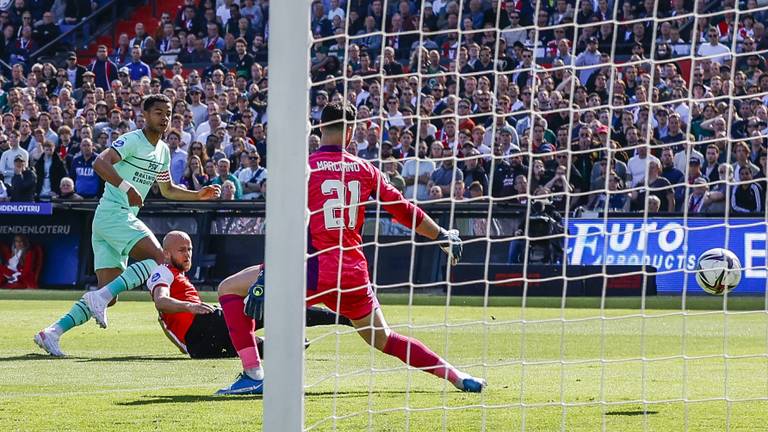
(6, 160)
(223, 11)
(683, 157)
(253, 178)
(713, 48)
(199, 110)
(393, 115)
(334, 10)
(178, 156)
(590, 57)
(208, 127)
(418, 171)
(638, 164)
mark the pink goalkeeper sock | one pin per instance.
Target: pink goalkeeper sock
(420, 356)
(241, 328)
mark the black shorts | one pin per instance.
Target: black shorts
(208, 337)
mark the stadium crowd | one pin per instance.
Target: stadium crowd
(617, 105)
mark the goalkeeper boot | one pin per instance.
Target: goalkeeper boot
(48, 340)
(98, 307)
(243, 385)
(472, 385)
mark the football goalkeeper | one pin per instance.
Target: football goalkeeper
(339, 186)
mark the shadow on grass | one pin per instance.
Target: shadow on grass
(155, 400)
(131, 359)
(36, 356)
(168, 399)
(632, 413)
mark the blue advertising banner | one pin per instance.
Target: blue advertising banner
(672, 245)
(26, 208)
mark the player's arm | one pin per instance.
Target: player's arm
(164, 303)
(409, 180)
(425, 178)
(671, 201)
(159, 285)
(103, 165)
(175, 193)
(409, 176)
(709, 125)
(413, 217)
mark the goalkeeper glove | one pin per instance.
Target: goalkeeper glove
(254, 302)
(453, 247)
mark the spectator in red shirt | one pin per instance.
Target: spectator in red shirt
(20, 265)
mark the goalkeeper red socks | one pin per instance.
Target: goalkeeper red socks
(241, 332)
(420, 357)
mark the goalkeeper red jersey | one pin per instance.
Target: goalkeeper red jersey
(340, 186)
(175, 324)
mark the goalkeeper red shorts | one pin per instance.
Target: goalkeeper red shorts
(354, 304)
(354, 299)
(350, 293)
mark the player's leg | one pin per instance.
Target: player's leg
(109, 264)
(208, 337)
(241, 283)
(144, 248)
(49, 338)
(317, 316)
(241, 327)
(374, 330)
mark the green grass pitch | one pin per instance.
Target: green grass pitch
(130, 378)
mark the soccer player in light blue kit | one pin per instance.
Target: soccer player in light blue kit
(134, 162)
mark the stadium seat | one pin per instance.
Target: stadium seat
(204, 264)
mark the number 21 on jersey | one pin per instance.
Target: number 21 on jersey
(333, 208)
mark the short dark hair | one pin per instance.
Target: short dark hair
(150, 100)
(335, 113)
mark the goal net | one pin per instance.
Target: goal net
(588, 152)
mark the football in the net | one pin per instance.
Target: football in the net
(718, 271)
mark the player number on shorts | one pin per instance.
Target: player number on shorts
(333, 209)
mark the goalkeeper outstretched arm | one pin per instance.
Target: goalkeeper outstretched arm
(450, 240)
(406, 213)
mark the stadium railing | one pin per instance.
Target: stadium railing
(5, 68)
(230, 235)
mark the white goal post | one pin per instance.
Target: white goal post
(286, 215)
